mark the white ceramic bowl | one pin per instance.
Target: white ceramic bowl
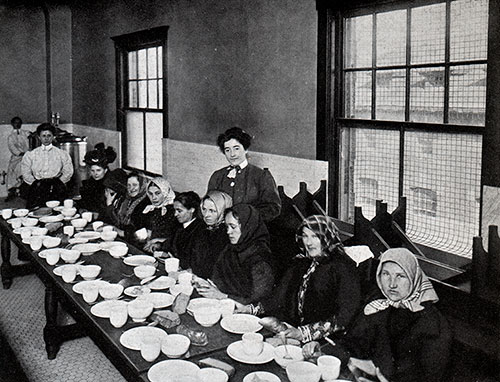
(52, 203)
(51, 242)
(211, 374)
(69, 255)
(21, 212)
(109, 235)
(79, 223)
(293, 351)
(111, 291)
(139, 310)
(143, 271)
(302, 371)
(89, 272)
(39, 231)
(118, 251)
(175, 345)
(179, 288)
(29, 222)
(206, 315)
(68, 212)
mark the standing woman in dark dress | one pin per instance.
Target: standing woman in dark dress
(244, 182)
(212, 239)
(400, 336)
(319, 293)
(242, 271)
(158, 217)
(92, 189)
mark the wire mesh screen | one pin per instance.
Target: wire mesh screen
(390, 99)
(428, 34)
(467, 94)
(442, 174)
(358, 42)
(469, 30)
(427, 95)
(358, 94)
(373, 165)
(391, 38)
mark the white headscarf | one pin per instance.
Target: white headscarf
(166, 190)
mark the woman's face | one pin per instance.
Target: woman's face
(182, 214)
(155, 195)
(209, 212)
(395, 283)
(312, 243)
(133, 186)
(233, 228)
(235, 152)
(97, 172)
(46, 137)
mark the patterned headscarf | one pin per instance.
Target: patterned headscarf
(222, 202)
(166, 190)
(325, 229)
(421, 288)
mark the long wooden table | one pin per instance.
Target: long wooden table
(129, 362)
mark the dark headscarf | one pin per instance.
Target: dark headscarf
(327, 232)
(253, 229)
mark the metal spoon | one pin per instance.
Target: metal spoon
(283, 340)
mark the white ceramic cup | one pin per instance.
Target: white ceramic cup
(329, 367)
(97, 224)
(185, 278)
(142, 234)
(68, 203)
(69, 274)
(69, 230)
(171, 265)
(108, 228)
(16, 224)
(87, 216)
(253, 343)
(7, 213)
(25, 234)
(150, 347)
(36, 243)
(226, 307)
(90, 293)
(52, 257)
(118, 315)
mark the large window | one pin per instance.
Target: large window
(411, 115)
(142, 113)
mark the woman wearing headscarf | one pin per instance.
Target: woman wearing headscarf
(400, 335)
(158, 217)
(242, 271)
(211, 240)
(92, 193)
(319, 293)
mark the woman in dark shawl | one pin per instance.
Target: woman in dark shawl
(400, 335)
(319, 293)
(242, 271)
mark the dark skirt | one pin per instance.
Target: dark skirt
(43, 190)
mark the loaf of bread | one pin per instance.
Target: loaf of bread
(212, 362)
(273, 324)
(166, 318)
(180, 303)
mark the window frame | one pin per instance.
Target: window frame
(124, 44)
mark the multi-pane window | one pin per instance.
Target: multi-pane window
(141, 105)
(414, 85)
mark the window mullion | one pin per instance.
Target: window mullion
(447, 63)
(408, 61)
(374, 63)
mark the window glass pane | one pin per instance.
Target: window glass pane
(358, 94)
(442, 186)
(469, 30)
(391, 38)
(142, 63)
(358, 42)
(153, 94)
(427, 95)
(132, 65)
(428, 26)
(390, 100)
(132, 94)
(154, 135)
(152, 71)
(143, 94)
(135, 140)
(160, 94)
(160, 61)
(467, 94)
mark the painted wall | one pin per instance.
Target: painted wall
(251, 64)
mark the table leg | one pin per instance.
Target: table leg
(50, 331)
(6, 268)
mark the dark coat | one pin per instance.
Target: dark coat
(160, 226)
(206, 249)
(252, 185)
(93, 198)
(183, 242)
